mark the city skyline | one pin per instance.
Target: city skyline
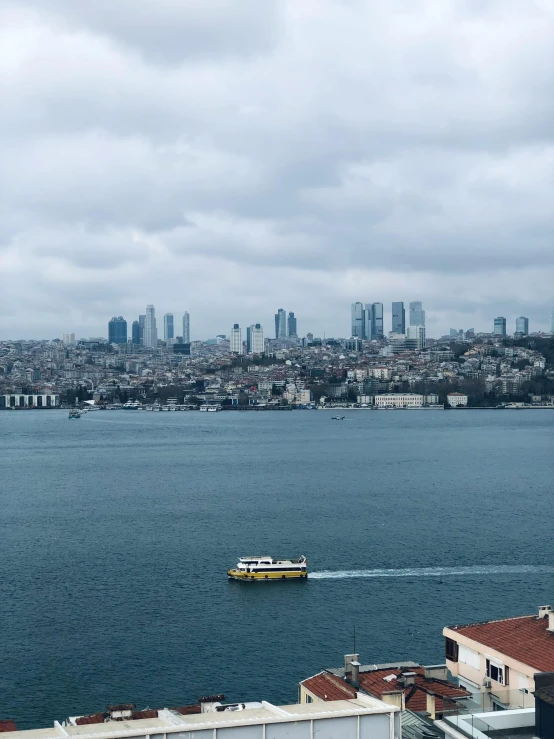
(261, 188)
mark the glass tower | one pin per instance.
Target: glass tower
(117, 330)
(169, 328)
(150, 330)
(522, 325)
(357, 320)
(291, 326)
(499, 326)
(186, 328)
(417, 314)
(135, 333)
(281, 324)
(398, 318)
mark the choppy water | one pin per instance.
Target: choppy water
(116, 531)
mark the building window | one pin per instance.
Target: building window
(309, 699)
(497, 672)
(451, 649)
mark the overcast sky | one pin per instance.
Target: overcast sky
(231, 157)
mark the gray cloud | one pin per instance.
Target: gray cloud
(229, 158)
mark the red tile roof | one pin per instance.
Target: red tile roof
(96, 718)
(329, 688)
(145, 713)
(7, 725)
(188, 710)
(525, 639)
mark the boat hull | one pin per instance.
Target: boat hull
(265, 576)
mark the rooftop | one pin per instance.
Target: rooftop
(524, 638)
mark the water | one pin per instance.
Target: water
(116, 531)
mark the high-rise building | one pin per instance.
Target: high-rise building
(367, 332)
(135, 333)
(235, 340)
(281, 324)
(499, 326)
(398, 318)
(150, 330)
(142, 324)
(169, 328)
(291, 326)
(186, 328)
(417, 314)
(68, 338)
(255, 339)
(357, 321)
(552, 322)
(522, 326)
(117, 330)
(417, 334)
(377, 321)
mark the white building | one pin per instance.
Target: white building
(362, 717)
(399, 400)
(456, 400)
(18, 400)
(186, 328)
(235, 340)
(68, 338)
(417, 333)
(256, 343)
(150, 330)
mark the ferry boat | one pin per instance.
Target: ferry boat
(74, 413)
(269, 568)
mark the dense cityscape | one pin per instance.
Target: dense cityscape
(245, 370)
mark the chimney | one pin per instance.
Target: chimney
(348, 660)
(408, 678)
(544, 611)
(355, 673)
(394, 698)
(430, 707)
(435, 672)
(550, 626)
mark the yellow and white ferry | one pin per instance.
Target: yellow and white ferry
(269, 568)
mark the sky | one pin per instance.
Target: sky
(232, 157)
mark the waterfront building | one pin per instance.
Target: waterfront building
(117, 330)
(398, 318)
(417, 314)
(499, 326)
(150, 330)
(497, 660)
(357, 320)
(186, 328)
(169, 328)
(522, 326)
(19, 400)
(399, 400)
(456, 400)
(255, 339)
(235, 340)
(135, 333)
(291, 326)
(281, 324)
(359, 717)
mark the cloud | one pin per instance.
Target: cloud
(231, 158)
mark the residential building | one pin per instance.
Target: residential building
(456, 400)
(544, 706)
(499, 326)
(407, 685)
(398, 318)
(186, 328)
(150, 330)
(281, 324)
(359, 717)
(399, 400)
(235, 340)
(135, 333)
(357, 321)
(291, 326)
(68, 339)
(169, 328)
(522, 326)
(255, 339)
(497, 660)
(117, 330)
(417, 314)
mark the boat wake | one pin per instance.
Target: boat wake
(433, 571)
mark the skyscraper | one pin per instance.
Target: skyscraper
(255, 339)
(117, 330)
(552, 322)
(291, 326)
(150, 330)
(235, 340)
(367, 332)
(142, 324)
(357, 320)
(417, 334)
(281, 324)
(135, 333)
(376, 321)
(169, 328)
(417, 314)
(522, 326)
(398, 318)
(499, 326)
(186, 328)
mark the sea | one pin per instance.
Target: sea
(117, 529)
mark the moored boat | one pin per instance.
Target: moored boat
(269, 568)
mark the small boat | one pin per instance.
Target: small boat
(338, 418)
(74, 413)
(210, 408)
(269, 568)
